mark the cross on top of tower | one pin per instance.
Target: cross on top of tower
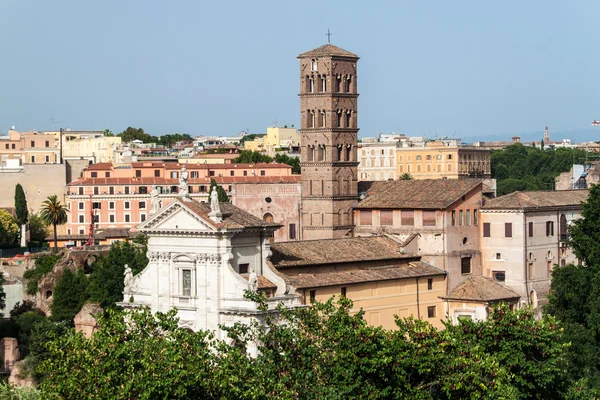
(328, 36)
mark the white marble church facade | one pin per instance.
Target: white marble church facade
(202, 259)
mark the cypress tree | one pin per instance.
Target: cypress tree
(21, 205)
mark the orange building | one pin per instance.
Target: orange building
(29, 148)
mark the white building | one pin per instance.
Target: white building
(524, 236)
(201, 262)
(376, 161)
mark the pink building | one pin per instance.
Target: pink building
(119, 196)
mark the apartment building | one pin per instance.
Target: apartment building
(524, 236)
(29, 148)
(377, 161)
(443, 159)
(119, 196)
(437, 219)
(275, 138)
(90, 144)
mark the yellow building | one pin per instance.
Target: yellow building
(275, 138)
(371, 271)
(89, 144)
(439, 159)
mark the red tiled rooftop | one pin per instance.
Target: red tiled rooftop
(100, 166)
(148, 181)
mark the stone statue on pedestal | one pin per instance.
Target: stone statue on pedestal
(215, 207)
(253, 281)
(183, 183)
(154, 201)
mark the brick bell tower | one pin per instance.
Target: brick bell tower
(328, 138)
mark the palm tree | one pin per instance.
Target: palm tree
(53, 213)
(405, 177)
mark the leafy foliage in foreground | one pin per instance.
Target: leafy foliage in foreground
(575, 299)
(8, 392)
(318, 352)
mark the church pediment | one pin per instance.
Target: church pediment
(176, 217)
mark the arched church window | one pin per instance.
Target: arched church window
(324, 83)
(268, 218)
(313, 65)
(311, 84)
(348, 83)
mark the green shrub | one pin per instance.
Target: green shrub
(43, 265)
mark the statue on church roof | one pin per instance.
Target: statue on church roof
(215, 207)
(154, 200)
(183, 183)
(253, 280)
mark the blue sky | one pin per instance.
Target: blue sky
(462, 68)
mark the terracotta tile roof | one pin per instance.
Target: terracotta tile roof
(150, 181)
(233, 217)
(334, 251)
(436, 194)
(100, 166)
(263, 283)
(258, 179)
(328, 50)
(102, 234)
(227, 166)
(412, 270)
(480, 288)
(194, 166)
(537, 199)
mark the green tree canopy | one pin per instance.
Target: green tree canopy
(294, 162)
(9, 230)
(37, 228)
(252, 157)
(53, 213)
(43, 265)
(323, 351)
(584, 232)
(132, 356)
(171, 139)
(131, 134)
(575, 296)
(21, 205)
(520, 167)
(223, 198)
(70, 293)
